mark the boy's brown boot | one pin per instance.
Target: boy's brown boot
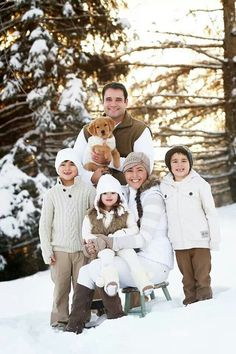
(204, 293)
(81, 304)
(112, 304)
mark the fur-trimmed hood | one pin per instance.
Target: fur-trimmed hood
(152, 181)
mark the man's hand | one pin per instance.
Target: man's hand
(98, 157)
(98, 173)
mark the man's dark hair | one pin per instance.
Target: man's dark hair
(115, 86)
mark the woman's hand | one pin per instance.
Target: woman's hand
(107, 240)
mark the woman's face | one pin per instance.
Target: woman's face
(136, 176)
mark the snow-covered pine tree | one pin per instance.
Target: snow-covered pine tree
(54, 54)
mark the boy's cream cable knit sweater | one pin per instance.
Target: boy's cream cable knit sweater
(62, 215)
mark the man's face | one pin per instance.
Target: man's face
(115, 104)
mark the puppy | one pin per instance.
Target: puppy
(102, 140)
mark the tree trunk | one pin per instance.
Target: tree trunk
(229, 75)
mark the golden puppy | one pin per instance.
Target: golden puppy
(101, 140)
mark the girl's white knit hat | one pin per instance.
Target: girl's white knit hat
(107, 184)
(65, 155)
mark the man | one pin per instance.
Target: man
(130, 134)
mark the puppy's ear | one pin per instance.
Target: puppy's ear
(92, 128)
(111, 123)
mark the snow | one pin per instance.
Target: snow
(39, 46)
(68, 10)
(170, 327)
(32, 14)
(10, 89)
(73, 96)
(124, 22)
(17, 209)
(37, 94)
(15, 61)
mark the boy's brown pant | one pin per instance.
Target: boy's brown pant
(195, 266)
(64, 272)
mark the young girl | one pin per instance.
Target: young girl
(192, 223)
(110, 217)
(64, 207)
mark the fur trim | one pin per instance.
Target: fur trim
(98, 227)
(152, 181)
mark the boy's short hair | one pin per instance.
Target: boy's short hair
(115, 86)
(179, 149)
(67, 154)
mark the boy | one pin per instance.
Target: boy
(63, 210)
(192, 223)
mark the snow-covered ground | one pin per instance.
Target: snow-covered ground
(206, 327)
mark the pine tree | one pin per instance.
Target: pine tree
(54, 55)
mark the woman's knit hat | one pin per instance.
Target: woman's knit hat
(106, 184)
(65, 155)
(178, 149)
(137, 158)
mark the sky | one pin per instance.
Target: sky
(169, 327)
(170, 16)
(153, 22)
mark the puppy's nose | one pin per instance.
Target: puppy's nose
(103, 132)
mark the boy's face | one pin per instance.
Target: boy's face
(67, 172)
(180, 166)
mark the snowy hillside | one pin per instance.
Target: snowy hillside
(170, 328)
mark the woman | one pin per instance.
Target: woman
(154, 250)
